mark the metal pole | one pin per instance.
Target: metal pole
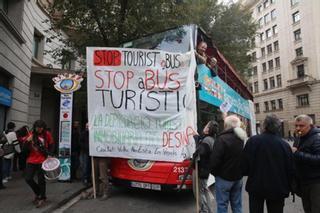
(93, 178)
(197, 187)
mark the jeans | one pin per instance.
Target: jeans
(6, 167)
(228, 191)
(85, 166)
(205, 196)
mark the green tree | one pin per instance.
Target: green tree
(233, 33)
(110, 23)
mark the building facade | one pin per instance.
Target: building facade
(26, 64)
(286, 60)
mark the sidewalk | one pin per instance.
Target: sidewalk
(18, 196)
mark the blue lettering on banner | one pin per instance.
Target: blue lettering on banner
(215, 91)
(5, 96)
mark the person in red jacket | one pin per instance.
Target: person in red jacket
(38, 146)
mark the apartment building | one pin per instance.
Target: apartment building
(26, 66)
(286, 60)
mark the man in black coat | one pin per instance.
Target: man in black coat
(268, 163)
(307, 160)
(226, 165)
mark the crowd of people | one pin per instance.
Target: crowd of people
(273, 167)
(30, 148)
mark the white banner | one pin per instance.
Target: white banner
(141, 103)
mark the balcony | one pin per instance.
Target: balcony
(299, 60)
(305, 81)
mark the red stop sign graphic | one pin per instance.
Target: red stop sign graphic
(65, 115)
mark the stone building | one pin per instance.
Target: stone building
(26, 88)
(286, 59)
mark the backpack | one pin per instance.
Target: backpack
(5, 147)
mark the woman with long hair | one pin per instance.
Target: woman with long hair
(38, 146)
(204, 149)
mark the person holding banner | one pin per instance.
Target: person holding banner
(38, 146)
(205, 147)
(102, 164)
(225, 163)
(84, 156)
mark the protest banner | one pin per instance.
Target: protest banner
(141, 103)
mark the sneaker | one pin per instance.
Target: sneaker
(5, 180)
(9, 178)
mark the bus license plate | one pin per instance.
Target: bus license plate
(146, 185)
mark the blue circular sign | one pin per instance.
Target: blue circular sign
(66, 84)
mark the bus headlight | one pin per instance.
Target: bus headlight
(189, 177)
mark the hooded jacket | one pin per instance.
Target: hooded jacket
(204, 150)
(307, 157)
(225, 159)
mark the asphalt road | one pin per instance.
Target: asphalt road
(134, 200)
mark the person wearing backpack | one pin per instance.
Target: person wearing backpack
(205, 146)
(7, 159)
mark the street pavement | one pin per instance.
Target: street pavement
(124, 200)
(18, 196)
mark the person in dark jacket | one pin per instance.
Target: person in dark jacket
(84, 155)
(204, 150)
(225, 163)
(306, 151)
(268, 163)
(75, 149)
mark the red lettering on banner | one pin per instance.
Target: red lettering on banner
(166, 139)
(107, 58)
(100, 78)
(107, 79)
(129, 76)
(176, 81)
(117, 81)
(181, 138)
(152, 80)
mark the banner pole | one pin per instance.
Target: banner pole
(93, 178)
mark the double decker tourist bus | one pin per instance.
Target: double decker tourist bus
(217, 84)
